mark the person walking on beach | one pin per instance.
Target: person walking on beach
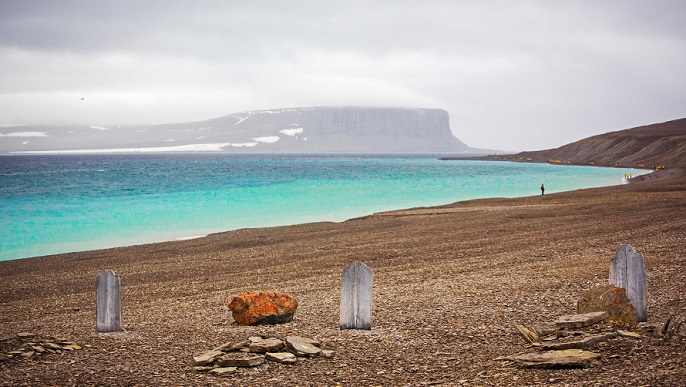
(542, 189)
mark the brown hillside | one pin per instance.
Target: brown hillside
(662, 144)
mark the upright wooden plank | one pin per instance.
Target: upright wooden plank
(108, 302)
(356, 296)
(627, 270)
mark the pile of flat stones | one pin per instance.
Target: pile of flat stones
(566, 346)
(225, 359)
(33, 346)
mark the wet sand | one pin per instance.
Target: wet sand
(450, 283)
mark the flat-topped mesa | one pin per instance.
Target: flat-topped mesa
(291, 130)
(399, 122)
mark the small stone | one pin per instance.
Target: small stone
(302, 346)
(71, 346)
(632, 335)
(208, 357)
(569, 358)
(528, 335)
(52, 346)
(328, 354)
(240, 359)
(202, 368)
(38, 348)
(28, 354)
(223, 371)
(580, 320)
(266, 345)
(281, 357)
(25, 335)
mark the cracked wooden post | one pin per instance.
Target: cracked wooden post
(627, 270)
(356, 296)
(108, 302)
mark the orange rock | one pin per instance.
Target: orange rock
(255, 308)
(610, 299)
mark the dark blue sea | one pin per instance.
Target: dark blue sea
(62, 203)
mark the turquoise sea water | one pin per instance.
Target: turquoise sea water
(55, 204)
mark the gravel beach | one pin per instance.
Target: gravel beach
(450, 283)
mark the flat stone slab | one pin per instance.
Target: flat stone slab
(302, 346)
(281, 357)
(223, 371)
(579, 344)
(266, 345)
(569, 358)
(629, 334)
(207, 357)
(240, 359)
(580, 320)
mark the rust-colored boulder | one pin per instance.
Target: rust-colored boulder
(612, 300)
(255, 308)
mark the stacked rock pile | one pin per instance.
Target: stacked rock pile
(225, 359)
(569, 343)
(29, 345)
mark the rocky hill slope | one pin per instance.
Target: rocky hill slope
(662, 144)
(297, 130)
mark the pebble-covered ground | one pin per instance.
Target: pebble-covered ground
(450, 283)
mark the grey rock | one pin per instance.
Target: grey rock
(328, 354)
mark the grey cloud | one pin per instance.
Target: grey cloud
(531, 74)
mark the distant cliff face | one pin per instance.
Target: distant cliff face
(297, 130)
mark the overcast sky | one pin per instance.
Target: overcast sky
(513, 75)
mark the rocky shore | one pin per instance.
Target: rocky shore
(452, 284)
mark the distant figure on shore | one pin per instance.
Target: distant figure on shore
(542, 189)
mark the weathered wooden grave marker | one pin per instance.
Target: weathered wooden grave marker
(108, 302)
(627, 271)
(356, 296)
